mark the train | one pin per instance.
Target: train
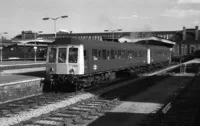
(74, 63)
(23, 52)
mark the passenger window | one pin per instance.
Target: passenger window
(99, 54)
(104, 56)
(85, 55)
(112, 55)
(52, 55)
(123, 54)
(94, 54)
(138, 53)
(62, 55)
(127, 54)
(108, 54)
(116, 56)
(119, 54)
(130, 55)
(73, 55)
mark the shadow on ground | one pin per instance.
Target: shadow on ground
(34, 74)
(118, 119)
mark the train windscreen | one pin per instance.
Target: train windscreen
(62, 55)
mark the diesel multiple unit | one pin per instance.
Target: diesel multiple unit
(78, 62)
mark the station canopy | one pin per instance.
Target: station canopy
(147, 40)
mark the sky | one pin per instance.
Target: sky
(88, 16)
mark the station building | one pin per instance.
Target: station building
(186, 40)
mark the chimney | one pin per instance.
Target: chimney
(196, 32)
(184, 33)
(70, 32)
(23, 35)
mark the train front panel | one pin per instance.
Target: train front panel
(65, 60)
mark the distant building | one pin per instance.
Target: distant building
(187, 40)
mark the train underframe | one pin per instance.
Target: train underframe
(68, 83)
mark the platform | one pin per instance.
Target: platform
(197, 60)
(14, 87)
(12, 63)
(23, 70)
(18, 65)
(195, 64)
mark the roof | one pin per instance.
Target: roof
(94, 43)
(7, 43)
(136, 40)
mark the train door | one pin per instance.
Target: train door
(148, 56)
(86, 61)
(95, 58)
(62, 60)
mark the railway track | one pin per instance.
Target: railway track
(182, 108)
(82, 111)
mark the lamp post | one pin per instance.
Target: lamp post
(1, 47)
(113, 32)
(35, 46)
(55, 19)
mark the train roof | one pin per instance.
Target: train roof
(102, 44)
(95, 43)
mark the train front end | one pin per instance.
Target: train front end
(64, 64)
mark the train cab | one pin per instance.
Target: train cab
(65, 60)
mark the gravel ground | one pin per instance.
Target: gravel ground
(25, 115)
(135, 109)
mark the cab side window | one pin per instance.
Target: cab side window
(73, 55)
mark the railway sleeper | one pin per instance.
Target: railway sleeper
(68, 117)
(5, 112)
(64, 119)
(62, 122)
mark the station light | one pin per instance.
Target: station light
(184, 33)
(45, 18)
(55, 19)
(1, 47)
